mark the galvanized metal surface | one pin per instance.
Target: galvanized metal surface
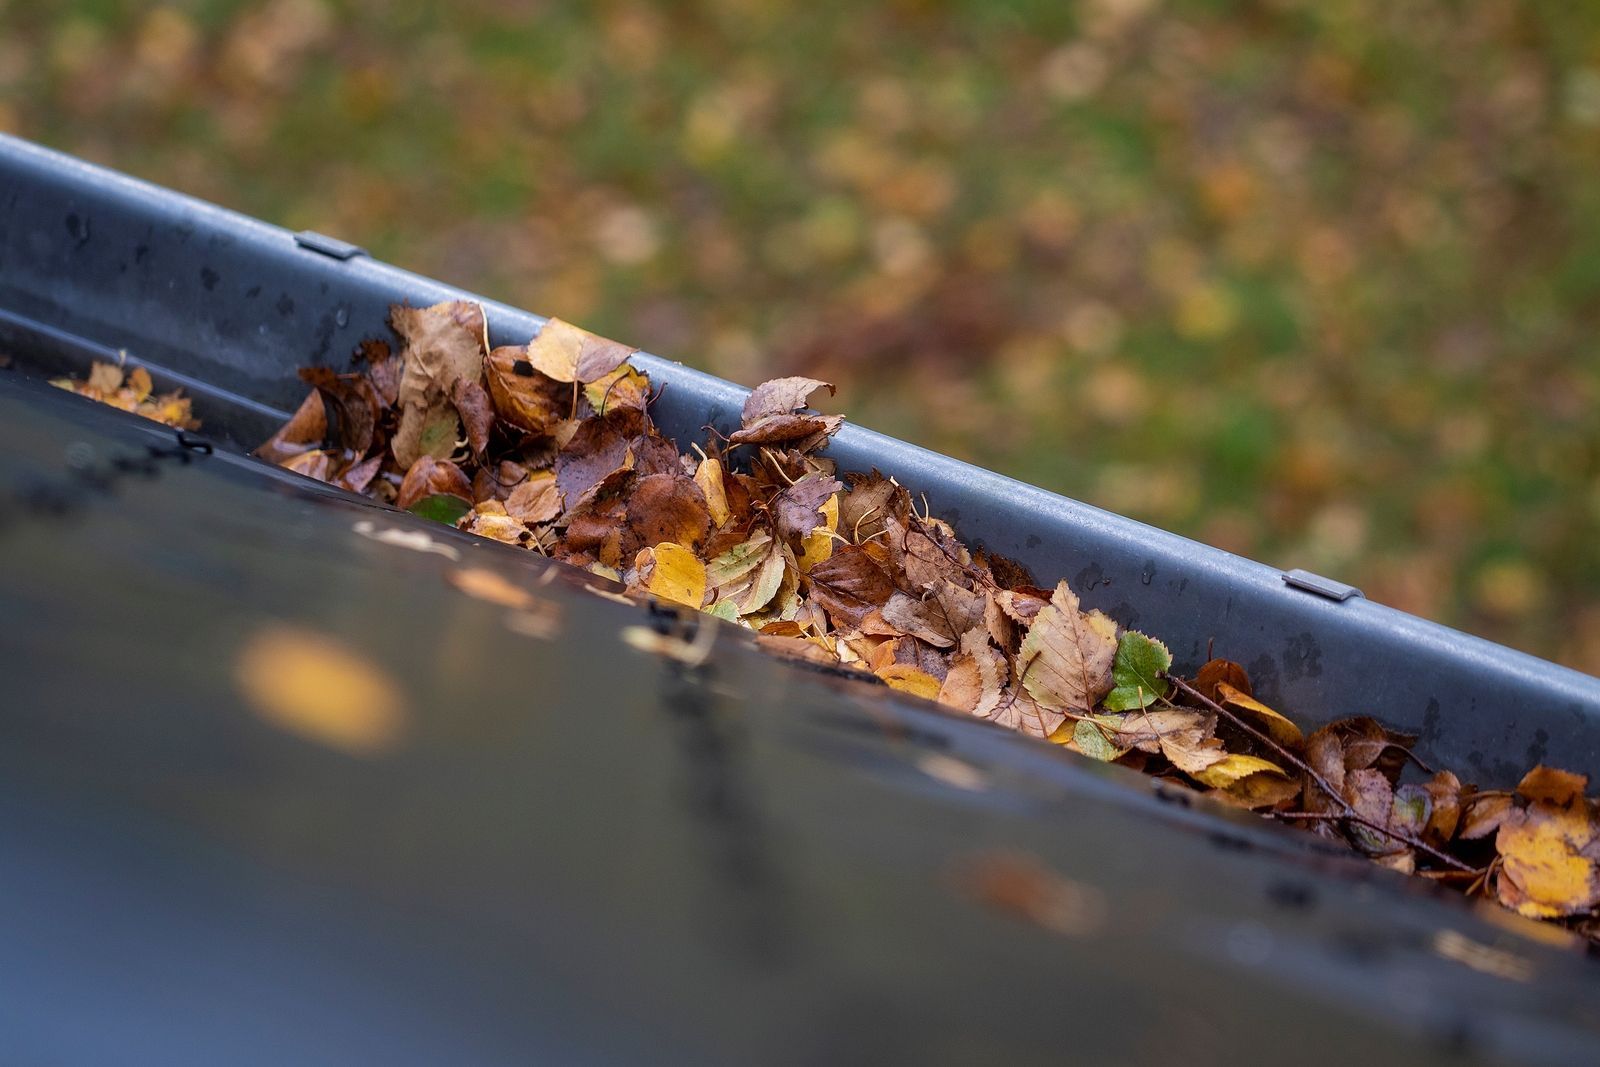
(583, 852)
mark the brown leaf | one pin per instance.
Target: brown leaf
(1277, 726)
(306, 429)
(477, 413)
(796, 510)
(1259, 791)
(360, 475)
(797, 648)
(1444, 791)
(1065, 660)
(434, 430)
(780, 396)
(429, 477)
(536, 500)
(603, 444)
(668, 507)
(923, 656)
(522, 396)
(933, 554)
(317, 464)
(871, 499)
(1482, 815)
(1325, 755)
(443, 343)
(940, 618)
(779, 429)
(1022, 605)
(976, 681)
(354, 402)
(849, 586)
(1019, 711)
(595, 524)
(568, 353)
(1368, 792)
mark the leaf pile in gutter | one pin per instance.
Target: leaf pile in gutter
(550, 446)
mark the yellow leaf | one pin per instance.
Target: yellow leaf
(488, 585)
(708, 476)
(1233, 767)
(817, 545)
(1546, 847)
(1279, 728)
(678, 576)
(568, 353)
(909, 679)
(310, 684)
(622, 388)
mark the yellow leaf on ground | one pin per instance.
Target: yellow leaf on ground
(312, 685)
(1279, 728)
(678, 576)
(909, 679)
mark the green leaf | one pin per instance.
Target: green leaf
(441, 507)
(1091, 741)
(1136, 672)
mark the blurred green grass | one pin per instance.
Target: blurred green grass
(1317, 282)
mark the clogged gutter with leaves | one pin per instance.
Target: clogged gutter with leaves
(550, 447)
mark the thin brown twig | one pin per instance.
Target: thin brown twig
(1405, 839)
(1311, 772)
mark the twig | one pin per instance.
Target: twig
(1311, 772)
(1405, 839)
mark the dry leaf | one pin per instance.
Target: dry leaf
(1065, 660)
(521, 395)
(1277, 727)
(1548, 847)
(535, 500)
(850, 586)
(678, 575)
(909, 679)
(568, 353)
(708, 476)
(430, 477)
(313, 685)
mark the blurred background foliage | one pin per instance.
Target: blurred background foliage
(1316, 281)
